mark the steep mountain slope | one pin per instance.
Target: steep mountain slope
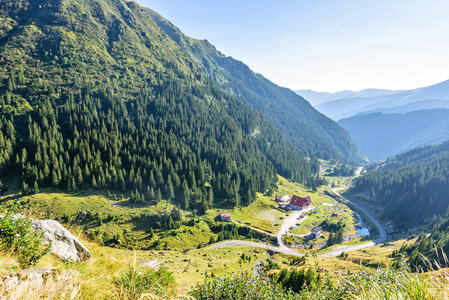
(95, 94)
(382, 135)
(411, 187)
(412, 190)
(377, 100)
(313, 133)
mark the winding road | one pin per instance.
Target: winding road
(293, 218)
(382, 233)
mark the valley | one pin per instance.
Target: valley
(185, 251)
(137, 162)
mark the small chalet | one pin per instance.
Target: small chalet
(300, 203)
(283, 199)
(225, 217)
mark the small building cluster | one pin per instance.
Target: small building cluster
(293, 203)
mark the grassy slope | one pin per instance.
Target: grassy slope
(99, 272)
(107, 263)
(128, 220)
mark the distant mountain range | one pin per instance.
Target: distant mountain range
(385, 122)
(381, 135)
(316, 98)
(345, 104)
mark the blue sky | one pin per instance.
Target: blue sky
(324, 45)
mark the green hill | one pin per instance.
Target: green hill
(95, 94)
(411, 188)
(310, 131)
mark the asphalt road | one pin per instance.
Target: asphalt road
(293, 218)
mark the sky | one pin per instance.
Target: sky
(324, 45)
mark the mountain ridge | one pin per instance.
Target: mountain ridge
(96, 95)
(376, 99)
(382, 135)
(318, 137)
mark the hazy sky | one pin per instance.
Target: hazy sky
(324, 45)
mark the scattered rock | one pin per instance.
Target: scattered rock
(63, 244)
(153, 264)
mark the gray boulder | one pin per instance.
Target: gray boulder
(63, 244)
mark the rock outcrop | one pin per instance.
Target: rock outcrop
(40, 283)
(63, 244)
(152, 264)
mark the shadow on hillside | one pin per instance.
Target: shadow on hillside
(7, 198)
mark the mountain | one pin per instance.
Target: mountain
(372, 100)
(321, 97)
(96, 95)
(311, 132)
(316, 98)
(419, 105)
(411, 189)
(381, 135)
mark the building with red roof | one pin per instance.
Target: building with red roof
(300, 202)
(225, 217)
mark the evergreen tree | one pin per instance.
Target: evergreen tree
(25, 190)
(169, 189)
(158, 196)
(185, 196)
(36, 188)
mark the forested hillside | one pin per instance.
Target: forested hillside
(94, 94)
(310, 131)
(412, 187)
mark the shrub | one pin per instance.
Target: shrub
(240, 286)
(25, 243)
(135, 283)
(394, 284)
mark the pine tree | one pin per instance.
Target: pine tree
(211, 196)
(331, 239)
(200, 175)
(54, 178)
(24, 188)
(169, 189)
(185, 196)
(158, 196)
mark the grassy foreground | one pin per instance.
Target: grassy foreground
(115, 274)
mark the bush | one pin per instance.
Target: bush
(366, 285)
(16, 235)
(240, 286)
(135, 283)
